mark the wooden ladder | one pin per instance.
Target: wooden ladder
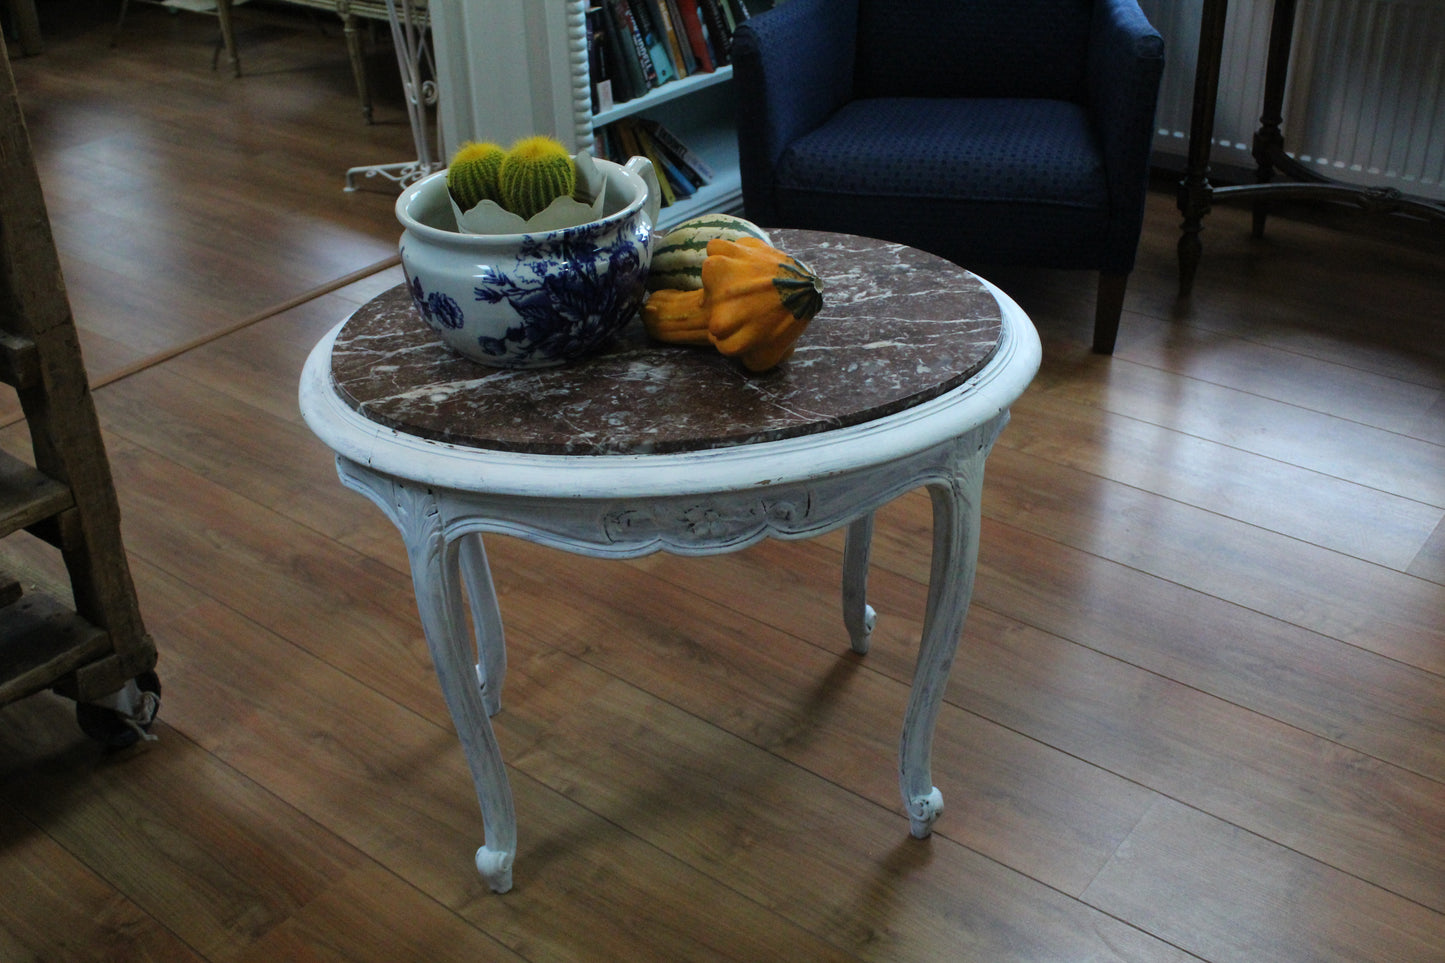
(93, 648)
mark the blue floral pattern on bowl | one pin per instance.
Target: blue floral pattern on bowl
(528, 300)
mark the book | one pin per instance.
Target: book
(673, 181)
(623, 69)
(653, 39)
(692, 165)
(633, 34)
(627, 136)
(663, 16)
(596, 68)
(719, 39)
(696, 35)
(741, 11)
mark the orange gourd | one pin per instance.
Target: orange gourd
(754, 303)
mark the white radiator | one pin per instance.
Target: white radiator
(1366, 100)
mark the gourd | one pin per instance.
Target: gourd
(472, 174)
(678, 255)
(677, 317)
(754, 303)
(535, 172)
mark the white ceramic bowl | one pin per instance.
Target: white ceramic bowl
(529, 300)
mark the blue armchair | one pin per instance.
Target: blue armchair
(994, 131)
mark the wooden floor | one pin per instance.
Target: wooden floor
(1198, 712)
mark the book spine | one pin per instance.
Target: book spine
(627, 79)
(667, 179)
(717, 31)
(697, 168)
(669, 30)
(627, 134)
(639, 46)
(596, 69)
(653, 39)
(741, 11)
(692, 26)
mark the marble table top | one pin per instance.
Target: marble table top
(898, 327)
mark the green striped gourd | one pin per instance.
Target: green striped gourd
(472, 174)
(677, 257)
(535, 172)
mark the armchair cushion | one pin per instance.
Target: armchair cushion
(971, 172)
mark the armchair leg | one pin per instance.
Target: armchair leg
(1107, 310)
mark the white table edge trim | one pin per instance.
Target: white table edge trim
(358, 439)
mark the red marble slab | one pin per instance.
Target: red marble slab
(898, 327)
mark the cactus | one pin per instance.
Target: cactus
(472, 174)
(535, 172)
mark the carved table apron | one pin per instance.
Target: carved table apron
(904, 380)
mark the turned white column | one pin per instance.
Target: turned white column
(510, 69)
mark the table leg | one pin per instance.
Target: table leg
(956, 518)
(358, 62)
(228, 35)
(1269, 139)
(436, 569)
(858, 615)
(487, 618)
(1195, 191)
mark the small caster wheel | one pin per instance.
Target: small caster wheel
(124, 718)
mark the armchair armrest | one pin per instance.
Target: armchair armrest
(792, 68)
(1126, 59)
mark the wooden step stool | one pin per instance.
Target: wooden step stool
(96, 651)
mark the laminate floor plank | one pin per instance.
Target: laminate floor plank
(373, 915)
(942, 901)
(1328, 293)
(1351, 451)
(1430, 563)
(1344, 517)
(1332, 388)
(166, 233)
(1226, 895)
(396, 787)
(260, 366)
(1387, 612)
(1337, 691)
(247, 450)
(1300, 789)
(1016, 801)
(213, 857)
(56, 907)
(353, 612)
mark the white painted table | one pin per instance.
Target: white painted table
(904, 380)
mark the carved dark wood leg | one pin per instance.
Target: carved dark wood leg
(1194, 191)
(358, 60)
(1268, 144)
(1107, 309)
(228, 36)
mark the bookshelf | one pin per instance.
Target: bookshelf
(519, 67)
(658, 96)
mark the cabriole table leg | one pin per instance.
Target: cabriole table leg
(858, 615)
(956, 518)
(491, 643)
(436, 569)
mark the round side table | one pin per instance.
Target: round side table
(904, 380)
